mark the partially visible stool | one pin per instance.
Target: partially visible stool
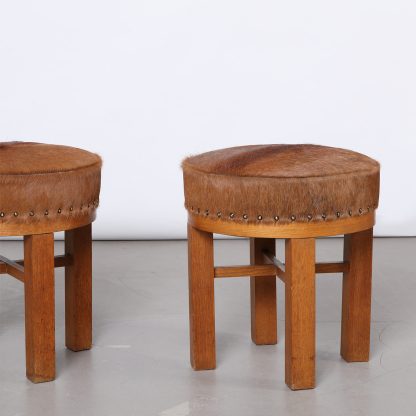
(295, 192)
(46, 188)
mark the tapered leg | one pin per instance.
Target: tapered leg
(263, 296)
(201, 299)
(356, 297)
(78, 289)
(39, 307)
(300, 314)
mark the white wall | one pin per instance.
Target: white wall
(147, 82)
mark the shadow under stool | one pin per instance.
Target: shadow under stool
(294, 192)
(44, 189)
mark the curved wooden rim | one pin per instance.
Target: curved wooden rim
(293, 230)
(47, 226)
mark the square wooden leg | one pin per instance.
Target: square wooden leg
(263, 296)
(356, 297)
(39, 307)
(300, 314)
(201, 299)
(78, 289)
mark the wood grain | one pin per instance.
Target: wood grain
(58, 224)
(263, 295)
(13, 268)
(39, 307)
(280, 267)
(356, 297)
(300, 314)
(294, 230)
(201, 299)
(240, 271)
(336, 267)
(78, 289)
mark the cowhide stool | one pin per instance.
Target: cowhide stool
(295, 192)
(43, 189)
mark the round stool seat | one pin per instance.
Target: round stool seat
(46, 188)
(280, 185)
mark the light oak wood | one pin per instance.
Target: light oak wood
(292, 230)
(300, 314)
(241, 271)
(356, 297)
(58, 224)
(269, 257)
(298, 274)
(78, 289)
(263, 295)
(275, 269)
(39, 307)
(336, 267)
(201, 299)
(15, 268)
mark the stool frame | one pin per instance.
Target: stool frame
(36, 272)
(298, 273)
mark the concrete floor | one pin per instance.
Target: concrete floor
(139, 363)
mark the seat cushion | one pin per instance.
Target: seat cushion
(281, 184)
(46, 187)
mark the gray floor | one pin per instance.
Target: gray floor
(139, 363)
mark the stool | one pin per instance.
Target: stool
(47, 188)
(295, 192)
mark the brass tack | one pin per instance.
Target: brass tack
(15, 213)
(46, 212)
(350, 213)
(276, 218)
(324, 216)
(309, 217)
(245, 216)
(338, 214)
(59, 210)
(31, 213)
(259, 217)
(1, 214)
(206, 212)
(71, 208)
(293, 217)
(232, 215)
(360, 210)
(219, 214)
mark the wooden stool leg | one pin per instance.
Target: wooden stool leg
(356, 297)
(300, 314)
(201, 299)
(78, 289)
(263, 296)
(39, 307)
